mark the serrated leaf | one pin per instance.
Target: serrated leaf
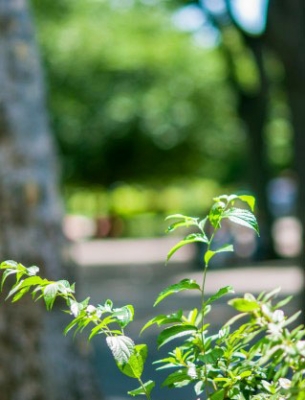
(174, 332)
(243, 305)
(242, 217)
(143, 390)
(185, 284)
(122, 347)
(221, 292)
(135, 364)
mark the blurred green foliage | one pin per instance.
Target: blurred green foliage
(144, 115)
(134, 99)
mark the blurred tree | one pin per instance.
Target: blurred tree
(133, 98)
(249, 49)
(36, 363)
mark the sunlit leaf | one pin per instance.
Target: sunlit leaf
(192, 238)
(177, 378)
(174, 332)
(209, 254)
(143, 390)
(49, 294)
(32, 270)
(99, 328)
(124, 315)
(250, 200)
(164, 319)
(219, 395)
(135, 364)
(242, 217)
(185, 284)
(122, 347)
(25, 283)
(212, 355)
(243, 305)
(182, 224)
(221, 292)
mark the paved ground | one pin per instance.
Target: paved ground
(133, 272)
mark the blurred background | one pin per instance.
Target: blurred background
(117, 113)
(157, 106)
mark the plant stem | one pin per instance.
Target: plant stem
(144, 389)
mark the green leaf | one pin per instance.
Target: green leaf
(219, 395)
(177, 379)
(174, 332)
(292, 318)
(186, 223)
(242, 217)
(212, 355)
(6, 273)
(143, 390)
(283, 302)
(211, 253)
(243, 305)
(221, 292)
(164, 319)
(124, 315)
(250, 200)
(49, 294)
(99, 328)
(185, 284)
(73, 323)
(245, 374)
(32, 270)
(135, 364)
(20, 294)
(181, 216)
(25, 283)
(122, 347)
(192, 238)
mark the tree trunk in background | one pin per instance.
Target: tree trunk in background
(286, 36)
(36, 363)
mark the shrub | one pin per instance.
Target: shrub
(253, 356)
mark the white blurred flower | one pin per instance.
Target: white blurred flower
(285, 383)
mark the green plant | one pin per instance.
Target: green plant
(253, 356)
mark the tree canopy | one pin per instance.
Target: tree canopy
(134, 98)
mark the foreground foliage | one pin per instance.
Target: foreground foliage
(253, 356)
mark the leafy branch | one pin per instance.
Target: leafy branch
(253, 356)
